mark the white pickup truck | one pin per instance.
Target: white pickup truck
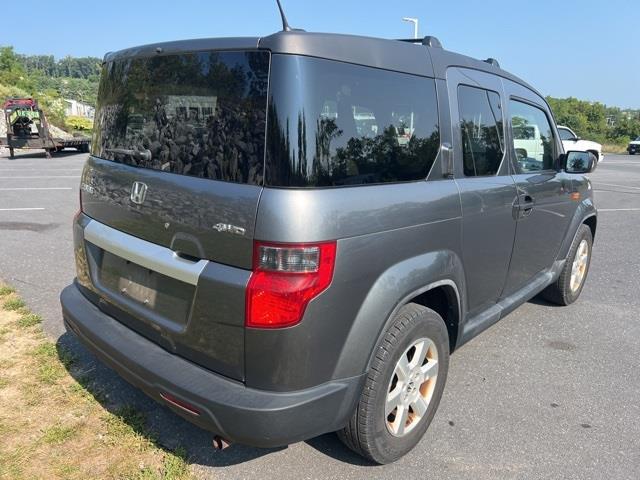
(572, 142)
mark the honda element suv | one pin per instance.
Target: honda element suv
(285, 236)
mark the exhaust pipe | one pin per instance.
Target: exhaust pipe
(220, 443)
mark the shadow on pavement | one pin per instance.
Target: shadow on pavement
(164, 428)
(331, 446)
(22, 154)
(538, 300)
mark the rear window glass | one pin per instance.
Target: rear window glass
(200, 114)
(482, 131)
(333, 124)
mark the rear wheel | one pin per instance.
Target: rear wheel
(568, 287)
(403, 388)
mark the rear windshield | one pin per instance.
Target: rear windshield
(334, 124)
(201, 114)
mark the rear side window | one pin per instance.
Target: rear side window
(482, 130)
(200, 114)
(332, 124)
(532, 138)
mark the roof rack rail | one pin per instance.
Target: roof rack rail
(428, 41)
(492, 61)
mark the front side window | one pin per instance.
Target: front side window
(199, 114)
(482, 131)
(566, 134)
(335, 124)
(532, 138)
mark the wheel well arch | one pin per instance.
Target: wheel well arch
(592, 223)
(595, 153)
(443, 299)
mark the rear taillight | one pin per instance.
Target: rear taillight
(285, 279)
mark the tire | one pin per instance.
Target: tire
(11, 153)
(567, 289)
(370, 429)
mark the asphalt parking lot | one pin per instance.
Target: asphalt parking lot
(547, 393)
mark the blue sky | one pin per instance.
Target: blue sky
(587, 49)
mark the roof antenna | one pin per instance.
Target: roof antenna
(285, 24)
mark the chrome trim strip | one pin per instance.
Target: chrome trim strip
(149, 255)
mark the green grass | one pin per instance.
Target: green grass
(127, 424)
(48, 394)
(14, 304)
(29, 320)
(51, 362)
(6, 290)
(174, 467)
(58, 434)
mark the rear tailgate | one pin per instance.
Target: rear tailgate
(195, 217)
(170, 197)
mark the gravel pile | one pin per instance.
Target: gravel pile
(59, 133)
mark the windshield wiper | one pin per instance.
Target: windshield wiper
(144, 155)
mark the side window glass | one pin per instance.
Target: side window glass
(337, 124)
(532, 138)
(482, 130)
(566, 134)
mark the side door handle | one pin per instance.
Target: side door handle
(527, 203)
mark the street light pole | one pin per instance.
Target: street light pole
(415, 35)
(415, 24)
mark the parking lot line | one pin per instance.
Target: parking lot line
(20, 209)
(619, 209)
(620, 186)
(40, 169)
(37, 188)
(45, 176)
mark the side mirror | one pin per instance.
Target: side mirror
(579, 162)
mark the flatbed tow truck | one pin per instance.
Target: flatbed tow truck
(28, 128)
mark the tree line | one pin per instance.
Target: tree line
(72, 67)
(596, 121)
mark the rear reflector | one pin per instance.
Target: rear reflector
(285, 279)
(179, 403)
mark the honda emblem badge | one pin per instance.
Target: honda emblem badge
(138, 192)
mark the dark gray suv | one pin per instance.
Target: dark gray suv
(285, 236)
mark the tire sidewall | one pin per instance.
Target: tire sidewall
(391, 448)
(583, 234)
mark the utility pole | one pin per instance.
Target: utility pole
(415, 24)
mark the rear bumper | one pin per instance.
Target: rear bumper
(228, 408)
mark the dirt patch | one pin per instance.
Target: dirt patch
(52, 426)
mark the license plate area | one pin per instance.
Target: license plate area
(126, 281)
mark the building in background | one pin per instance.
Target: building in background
(78, 109)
